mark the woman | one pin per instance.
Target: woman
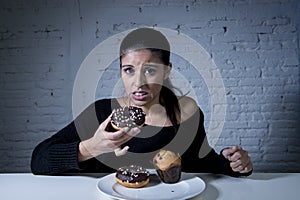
(175, 123)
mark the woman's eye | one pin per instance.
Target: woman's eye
(150, 71)
(128, 70)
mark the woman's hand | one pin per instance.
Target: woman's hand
(239, 159)
(105, 142)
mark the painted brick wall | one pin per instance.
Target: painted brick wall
(254, 43)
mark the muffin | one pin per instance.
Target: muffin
(168, 166)
(128, 116)
(132, 176)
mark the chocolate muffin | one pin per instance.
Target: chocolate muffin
(128, 116)
(132, 176)
(168, 166)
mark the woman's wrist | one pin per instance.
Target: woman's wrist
(83, 152)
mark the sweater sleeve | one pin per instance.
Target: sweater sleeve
(201, 157)
(59, 153)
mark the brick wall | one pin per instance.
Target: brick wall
(255, 45)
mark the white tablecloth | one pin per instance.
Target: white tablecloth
(84, 187)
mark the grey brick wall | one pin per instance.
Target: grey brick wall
(254, 43)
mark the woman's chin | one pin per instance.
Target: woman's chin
(139, 103)
(138, 100)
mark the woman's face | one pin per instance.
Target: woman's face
(142, 75)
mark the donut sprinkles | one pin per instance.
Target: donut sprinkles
(133, 173)
(128, 116)
(133, 176)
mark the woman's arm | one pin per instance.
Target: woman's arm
(75, 147)
(201, 157)
(57, 154)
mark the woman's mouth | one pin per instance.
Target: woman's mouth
(139, 95)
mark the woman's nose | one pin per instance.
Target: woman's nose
(140, 80)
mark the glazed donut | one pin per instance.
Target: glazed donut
(128, 116)
(132, 176)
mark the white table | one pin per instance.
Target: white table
(257, 186)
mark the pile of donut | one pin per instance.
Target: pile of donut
(166, 163)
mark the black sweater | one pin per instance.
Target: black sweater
(59, 153)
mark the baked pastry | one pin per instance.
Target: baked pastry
(132, 176)
(168, 166)
(128, 116)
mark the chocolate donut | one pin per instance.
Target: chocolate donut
(133, 176)
(128, 116)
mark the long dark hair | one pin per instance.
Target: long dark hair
(157, 43)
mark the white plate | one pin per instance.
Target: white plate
(185, 188)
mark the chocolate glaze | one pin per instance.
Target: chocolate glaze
(128, 116)
(132, 174)
(137, 115)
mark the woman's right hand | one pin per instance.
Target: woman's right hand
(105, 142)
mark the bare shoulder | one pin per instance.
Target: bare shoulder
(188, 106)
